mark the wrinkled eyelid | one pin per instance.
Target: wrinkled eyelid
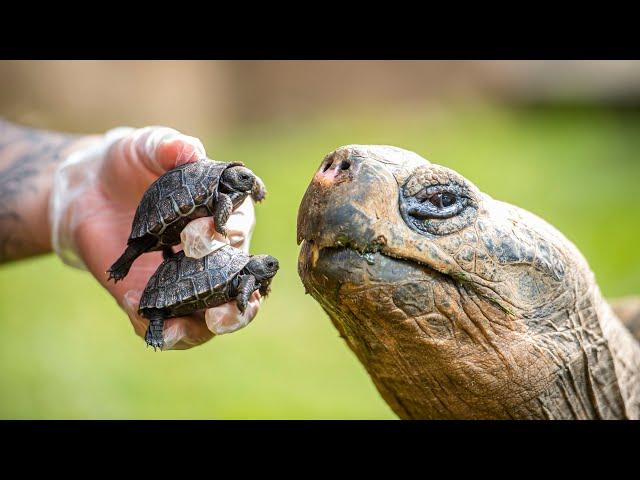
(444, 187)
(430, 190)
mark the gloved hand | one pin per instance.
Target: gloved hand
(94, 197)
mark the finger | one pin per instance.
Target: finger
(227, 318)
(162, 148)
(130, 303)
(179, 333)
(241, 224)
(200, 238)
(173, 151)
(182, 333)
(137, 160)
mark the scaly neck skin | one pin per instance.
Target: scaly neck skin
(592, 383)
(626, 356)
(413, 381)
(237, 197)
(435, 351)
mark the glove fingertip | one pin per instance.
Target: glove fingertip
(177, 151)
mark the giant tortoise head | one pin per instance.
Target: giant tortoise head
(459, 305)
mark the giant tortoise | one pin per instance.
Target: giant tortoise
(458, 305)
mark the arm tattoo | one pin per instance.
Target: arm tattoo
(27, 156)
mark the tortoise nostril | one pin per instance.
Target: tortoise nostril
(335, 171)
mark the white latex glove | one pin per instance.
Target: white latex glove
(94, 196)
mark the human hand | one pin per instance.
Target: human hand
(93, 201)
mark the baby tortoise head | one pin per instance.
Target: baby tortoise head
(243, 180)
(459, 305)
(263, 267)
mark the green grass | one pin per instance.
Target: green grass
(69, 352)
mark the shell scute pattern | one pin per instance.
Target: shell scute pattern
(226, 263)
(170, 182)
(141, 220)
(160, 299)
(166, 212)
(190, 266)
(153, 281)
(184, 201)
(217, 296)
(176, 194)
(184, 291)
(151, 300)
(201, 283)
(169, 273)
(238, 263)
(182, 282)
(171, 297)
(199, 193)
(217, 261)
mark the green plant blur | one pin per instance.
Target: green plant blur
(69, 352)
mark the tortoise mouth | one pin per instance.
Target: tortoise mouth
(311, 252)
(372, 290)
(327, 268)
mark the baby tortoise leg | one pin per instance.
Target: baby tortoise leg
(265, 288)
(245, 289)
(222, 211)
(167, 252)
(154, 335)
(259, 190)
(121, 267)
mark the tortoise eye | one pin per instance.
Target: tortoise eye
(436, 208)
(435, 201)
(442, 200)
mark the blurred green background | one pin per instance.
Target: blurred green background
(567, 152)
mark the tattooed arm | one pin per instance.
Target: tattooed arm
(28, 158)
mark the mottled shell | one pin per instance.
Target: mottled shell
(183, 285)
(185, 191)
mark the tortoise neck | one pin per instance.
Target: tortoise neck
(625, 350)
(601, 381)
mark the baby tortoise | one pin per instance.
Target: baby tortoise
(461, 306)
(182, 285)
(201, 189)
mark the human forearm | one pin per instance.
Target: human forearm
(28, 158)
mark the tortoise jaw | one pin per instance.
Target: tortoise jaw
(326, 272)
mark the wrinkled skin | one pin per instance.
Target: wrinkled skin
(459, 306)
